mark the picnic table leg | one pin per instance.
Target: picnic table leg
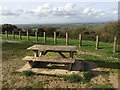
(36, 53)
(71, 54)
(43, 53)
(69, 67)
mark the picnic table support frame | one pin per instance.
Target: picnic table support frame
(69, 67)
(71, 54)
(36, 53)
(62, 55)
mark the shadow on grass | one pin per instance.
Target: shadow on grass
(105, 64)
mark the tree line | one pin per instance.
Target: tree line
(105, 31)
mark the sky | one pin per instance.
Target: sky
(54, 12)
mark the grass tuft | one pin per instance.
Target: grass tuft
(28, 73)
(72, 78)
(87, 75)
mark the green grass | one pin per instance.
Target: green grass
(105, 48)
(72, 78)
(101, 62)
(28, 73)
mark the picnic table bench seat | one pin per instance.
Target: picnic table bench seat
(49, 59)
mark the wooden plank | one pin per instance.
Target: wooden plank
(53, 48)
(49, 59)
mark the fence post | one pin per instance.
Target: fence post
(54, 37)
(114, 44)
(36, 36)
(6, 34)
(44, 37)
(13, 34)
(20, 38)
(97, 42)
(27, 35)
(66, 38)
(80, 40)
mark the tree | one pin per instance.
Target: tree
(9, 28)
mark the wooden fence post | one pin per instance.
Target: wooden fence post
(13, 34)
(97, 42)
(66, 38)
(36, 36)
(6, 34)
(27, 35)
(44, 37)
(20, 38)
(80, 40)
(114, 44)
(54, 37)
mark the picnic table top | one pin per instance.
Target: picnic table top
(53, 48)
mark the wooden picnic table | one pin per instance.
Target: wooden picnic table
(41, 50)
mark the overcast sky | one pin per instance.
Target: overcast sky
(44, 12)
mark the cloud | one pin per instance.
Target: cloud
(8, 12)
(115, 12)
(88, 12)
(69, 7)
(47, 11)
(41, 10)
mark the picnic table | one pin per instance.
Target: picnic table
(41, 50)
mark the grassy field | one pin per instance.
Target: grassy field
(105, 74)
(104, 48)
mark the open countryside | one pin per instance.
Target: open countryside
(61, 54)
